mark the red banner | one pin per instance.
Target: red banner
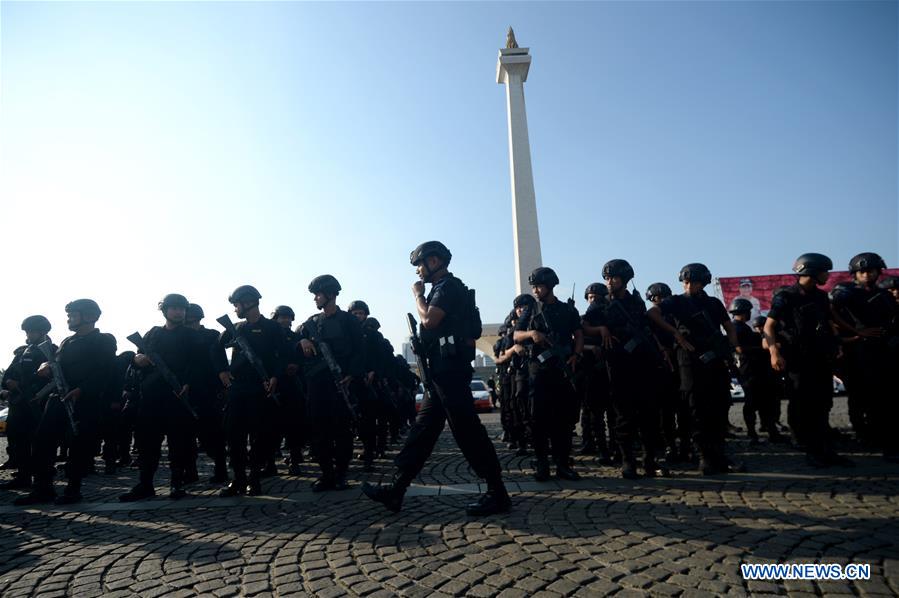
(759, 289)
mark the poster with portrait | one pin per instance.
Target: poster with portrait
(759, 290)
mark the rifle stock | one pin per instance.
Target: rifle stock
(62, 387)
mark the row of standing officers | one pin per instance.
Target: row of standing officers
(657, 376)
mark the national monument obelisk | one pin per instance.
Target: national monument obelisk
(512, 70)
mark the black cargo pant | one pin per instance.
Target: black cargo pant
(875, 390)
(633, 381)
(521, 405)
(54, 429)
(330, 425)
(21, 425)
(293, 421)
(452, 402)
(760, 397)
(811, 397)
(506, 413)
(248, 417)
(706, 389)
(554, 409)
(162, 415)
(210, 427)
(597, 415)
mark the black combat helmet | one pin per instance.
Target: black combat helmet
(759, 321)
(695, 273)
(524, 300)
(596, 288)
(543, 275)
(324, 284)
(617, 268)
(173, 300)
(359, 305)
(812, 264)
(740, 306)
(866, 261)
(88, 309)
(889, 282)
(658, 289)
(283, 310)
(371, 323)
(244, 293)
(37, 324)
(194, 312)
(430, 248)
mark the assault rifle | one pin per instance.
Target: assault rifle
(561, 351)
(247, 350)
(424, 370)
(62, 387)
(639, 335)
(163, 370)
(324, 349)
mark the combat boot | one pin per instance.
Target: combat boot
(18, 482)
(236, 488)
(71, 495)
(219, 474)
(254, 486)
(40, 494)
(139, 492)
(629, 468)
(391, 496)
(565, 472)
(541, 469)
(495, 500)
(340, 482)
(177, 491)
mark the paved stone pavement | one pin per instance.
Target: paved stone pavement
(685, 535)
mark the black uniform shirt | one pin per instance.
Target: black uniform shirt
(558, 320)
(343, 334)
(87, 362)
(23, 369)
(698, 317)
(267, 339)
(181, 350)
(806, 319)
(873, 308)
(625, 317)
(754, 359)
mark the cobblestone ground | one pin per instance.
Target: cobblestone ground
(684, 535)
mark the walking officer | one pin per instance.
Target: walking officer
(20, 386)
(449, 325)
(162, 413)
(331, 404)
(806, 352)
(251, 400)
(551, 331)
(86, 360)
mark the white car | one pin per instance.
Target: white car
(838, 387)
(479, 392)
(736, 390)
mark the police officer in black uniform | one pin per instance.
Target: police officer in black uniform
(756, 376)
(370, 405)
(291, 420)
(504, 380)
(552, 332)
(330, 417)
(873, 316)
(208, 394)
(676, 429)
(806, 351)
(21, 385)
(633, 361)
(87, 359)
(597, 414)
(448, 318)
(251, 400)
(387, 412)
(161, 412)
(702, 356)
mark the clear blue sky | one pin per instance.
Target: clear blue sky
(192, 147)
